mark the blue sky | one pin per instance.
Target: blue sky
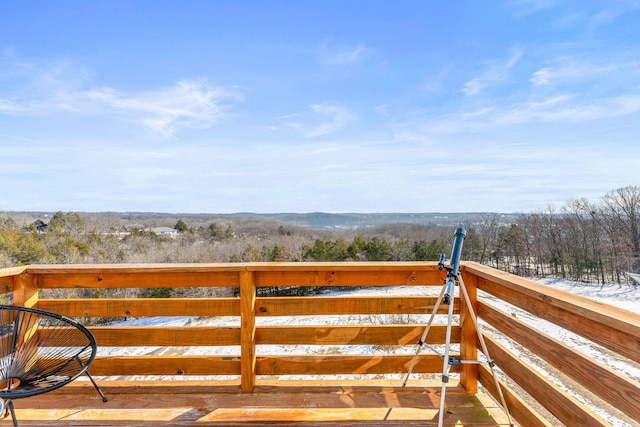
(302, 106)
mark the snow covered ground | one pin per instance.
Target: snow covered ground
(623, 296)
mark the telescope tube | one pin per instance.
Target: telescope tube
(454, 263)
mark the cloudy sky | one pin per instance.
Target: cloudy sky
(301, 106)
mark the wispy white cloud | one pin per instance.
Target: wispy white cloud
(595, 19)
(344, 55)
(494, 71)
(559, 109)
(572, 70)
(567, 108)
(382, 109)
(607, 16)
(473, 87)
(543, 76)
(524, 8)
(320, 119)
(7, 107)
(436, 82)
(549, 102)
(42, 89)
(188, 104)
(569, 88)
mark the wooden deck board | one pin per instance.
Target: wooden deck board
(181, 404)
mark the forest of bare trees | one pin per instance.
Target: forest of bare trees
(585, 241)
(582, 240)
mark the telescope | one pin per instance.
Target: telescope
(454, 264)
(446, 297)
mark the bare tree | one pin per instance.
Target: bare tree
(488, 228)
(622, 211)
(588, 239)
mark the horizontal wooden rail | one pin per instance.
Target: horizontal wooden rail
(609, 326)
(335, 364)
(146, 307)
(265, 365)
(151, 365)
(227, 275)
(168, 336)
(7, 277)
(351, 335)
(266, 306)
(353, 305)
(165, 336)
(591, 374)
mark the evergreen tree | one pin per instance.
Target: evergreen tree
(181, 226)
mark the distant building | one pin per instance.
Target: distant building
(162, 231)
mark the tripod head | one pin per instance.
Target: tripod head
(454, 263)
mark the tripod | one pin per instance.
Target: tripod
(447, 297)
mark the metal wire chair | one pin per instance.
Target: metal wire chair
(40, 351)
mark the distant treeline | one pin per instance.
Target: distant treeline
(583, 240)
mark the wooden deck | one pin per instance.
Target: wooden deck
(272, 403)
(260, 345)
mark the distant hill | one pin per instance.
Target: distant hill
(314, 220)
(336, 221)
(322, 220)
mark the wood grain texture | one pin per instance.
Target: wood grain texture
(351, 335)
(345, 305)
(141, 307)
(301, 406)
(247, 331)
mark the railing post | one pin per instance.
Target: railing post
(25, 290)
(469, 336)
(247, 332)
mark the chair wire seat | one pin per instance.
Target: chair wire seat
(40, 351)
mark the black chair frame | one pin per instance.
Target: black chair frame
(40, 351)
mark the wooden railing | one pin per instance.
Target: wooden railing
(609, 328)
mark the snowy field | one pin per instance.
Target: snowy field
(622, 296)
